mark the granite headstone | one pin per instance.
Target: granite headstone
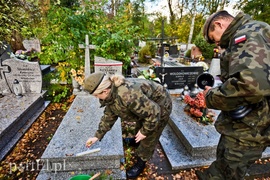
(27, 73)
(179, 77)
(108, 66)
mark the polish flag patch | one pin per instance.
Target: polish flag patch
(240, 39)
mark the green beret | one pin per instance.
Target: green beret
(92, 82)
(207, 25)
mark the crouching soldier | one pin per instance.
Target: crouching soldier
(135, 100)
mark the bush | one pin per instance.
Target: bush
(144, 53)
(152, 49)
(206, 48)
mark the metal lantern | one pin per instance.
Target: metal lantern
(17, 88)
(205, 79)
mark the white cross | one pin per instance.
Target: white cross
(87, 68)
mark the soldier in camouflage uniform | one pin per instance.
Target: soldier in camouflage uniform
(243, 97)
(136, 100)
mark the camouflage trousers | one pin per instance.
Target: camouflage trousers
(232, 161)
(147, 146)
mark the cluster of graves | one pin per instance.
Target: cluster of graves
(186, 143)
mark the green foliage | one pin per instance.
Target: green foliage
(260, 12)
(15, 16)
(143, 53)
(128, 157)
(149, 50)
(206, 48)
(188, 53)
(55, 92)
(58, 92)
(64, 28)
(69, 3)
(152, 48)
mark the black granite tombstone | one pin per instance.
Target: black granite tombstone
(178, 77)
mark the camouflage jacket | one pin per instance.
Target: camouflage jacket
(245, 74)
(135, 100)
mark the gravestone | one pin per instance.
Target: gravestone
(32, 44)
(108, 66)
(27, 73)
(179, 77)
(19, 112)
(173, 51)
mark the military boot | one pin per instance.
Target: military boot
(137, 169)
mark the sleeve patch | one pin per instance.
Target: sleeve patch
(240, 39)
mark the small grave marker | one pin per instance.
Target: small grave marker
(108, 66)
(32, 44)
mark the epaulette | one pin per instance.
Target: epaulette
(240, 39)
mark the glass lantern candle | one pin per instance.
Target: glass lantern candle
(17, 88)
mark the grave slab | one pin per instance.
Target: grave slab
(198, 139)
(17, 115)
(80, 123)
(188, 144)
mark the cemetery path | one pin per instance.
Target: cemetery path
(21, 163)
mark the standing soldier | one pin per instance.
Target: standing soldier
(243, 98)
(136, 100)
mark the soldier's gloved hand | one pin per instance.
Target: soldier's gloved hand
(91, 141)
(139, 136)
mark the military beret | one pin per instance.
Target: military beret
(92, 82)
(208, 23)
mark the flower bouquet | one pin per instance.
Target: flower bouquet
(149, 74)
(196, 107)
(78, 75)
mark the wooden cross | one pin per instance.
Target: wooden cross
(87, 46)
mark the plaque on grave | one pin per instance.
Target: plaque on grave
(108, 66)
(27, 73)
(178, 77)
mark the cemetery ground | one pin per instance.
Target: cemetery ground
(21, 162)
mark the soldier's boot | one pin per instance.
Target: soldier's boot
(137, 169)
(131, 142)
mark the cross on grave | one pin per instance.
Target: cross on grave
(3, 69)
(87, 70)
